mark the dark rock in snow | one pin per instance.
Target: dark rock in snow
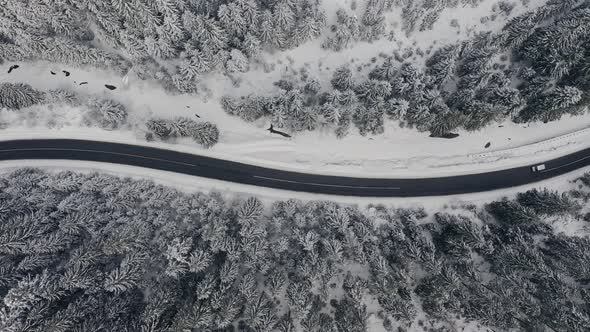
(273, 131)
(488, 144)
(66, 72)
(13, 67)
(52, 72)
(110, 87)
(447, 135)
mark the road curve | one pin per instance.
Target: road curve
(173, 161)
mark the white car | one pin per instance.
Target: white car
(538, 168)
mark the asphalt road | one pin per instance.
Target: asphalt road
(190, 164)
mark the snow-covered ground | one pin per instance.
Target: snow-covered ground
(399, 152)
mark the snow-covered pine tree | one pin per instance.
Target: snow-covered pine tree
(552, 105)
(205, 134)
(441, 65)
(267, 30)
(397, 108)
(346, 31)
(108, 113)
(342, 78)
(125, 277)
(519, 29)
(18, 95)
(371, 90)
(386, 71)
(369, 120)
(284, 17)
(232, 19)
(251, 46)
(237, 62)
(159, 127)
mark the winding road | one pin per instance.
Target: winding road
(173, 161)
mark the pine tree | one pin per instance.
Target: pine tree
(519, 29)
(284, 17)
(238, 62)
(267, 31)
(445, 121)
(397, 108)
(551, 106)
(342, 78)
(346, 31)
(250, 211)
(350, 315)
(205, 134)
(368, 120)
(194, 65)
(563, 97)
(250, 12)
(251, 46)
(385, 72)
(17, 95)
(108, 113)
(210, 34)
(509, 212)
(479, 114)
(373, 20)
(307, 28)
(441, 66)
(372, 90)
(232, 19)
(420, 117)
(194, 317)
(125, 277)
(286, 323)
(159, 127)
(547, 202)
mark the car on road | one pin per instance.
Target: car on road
(538, 168)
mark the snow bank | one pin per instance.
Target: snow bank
(189, 183)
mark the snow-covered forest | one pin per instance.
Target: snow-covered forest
(93, 252)
(534, 67)
(89, 252)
